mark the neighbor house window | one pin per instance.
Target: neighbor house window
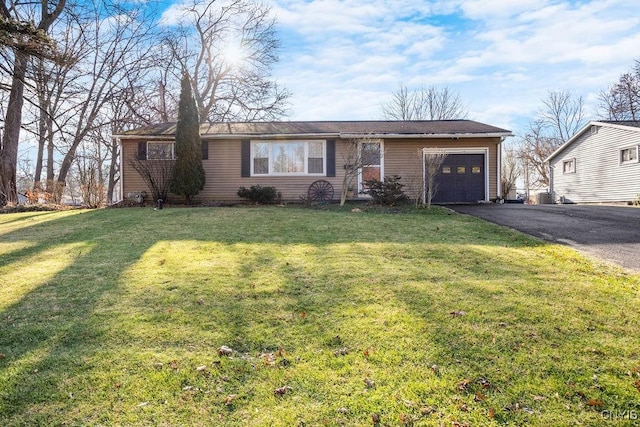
(569, 166)
(160, 150)
(629, 155)
(288, 157)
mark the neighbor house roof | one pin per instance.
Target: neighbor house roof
(336, 129)
(631, 125)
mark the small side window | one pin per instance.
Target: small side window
(569, 166)
(629, 155)
(476, 169)
(461, 169)
(446, 169)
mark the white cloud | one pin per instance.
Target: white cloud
(503, 56)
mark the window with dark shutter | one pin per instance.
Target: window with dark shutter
(331, 157)
(142, 151)
(245, 158)
(205, 150)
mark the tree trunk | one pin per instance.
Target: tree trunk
(11, 136)
(50, 174)
(113, 169)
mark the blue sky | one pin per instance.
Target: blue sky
(342, 59)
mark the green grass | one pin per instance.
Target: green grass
(115, 317)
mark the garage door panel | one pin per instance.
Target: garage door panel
(461, 179)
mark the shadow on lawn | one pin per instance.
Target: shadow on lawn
(49, 331)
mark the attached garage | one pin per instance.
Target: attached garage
(463, 177)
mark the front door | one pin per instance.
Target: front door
(371, 156)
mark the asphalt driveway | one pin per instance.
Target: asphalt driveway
(608, 232)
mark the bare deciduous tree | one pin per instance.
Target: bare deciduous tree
(561, 117)
(433, 160)
(621, 100)
(228, 48)
(117, 54)
(430, 103)
(510, 172)
(156, 174)
(23, 44)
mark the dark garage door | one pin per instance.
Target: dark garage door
(461, 179)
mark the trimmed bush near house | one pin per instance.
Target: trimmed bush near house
(388, 192)
(258, 194)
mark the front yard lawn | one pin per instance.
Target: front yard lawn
(297, 317)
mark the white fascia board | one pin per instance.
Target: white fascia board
(570, 141)
(146, 137)
(425, 135)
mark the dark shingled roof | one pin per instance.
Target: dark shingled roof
(337, 128)
(631, 123)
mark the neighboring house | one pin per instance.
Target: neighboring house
(292, 155)
(598, 164)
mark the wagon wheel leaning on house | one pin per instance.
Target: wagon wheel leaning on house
(320, 191)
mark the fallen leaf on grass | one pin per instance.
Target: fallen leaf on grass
(268, 359)
(479, 397)
(140, 405)
(595, 402)
(457, 313)
(281, 391)
(225, 351)
(201, 368)
(538, 398)
(158, 365)
(2, 356)
(484, 383)
(229, 399)
(343, 351)
(464, 384)
(637, 384)
(369, 383)
(375, 417)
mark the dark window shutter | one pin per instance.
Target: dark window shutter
(205, 150)
(331, 157)
(245, 158)
(142, 151)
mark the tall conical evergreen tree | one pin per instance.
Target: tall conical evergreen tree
(188, 175)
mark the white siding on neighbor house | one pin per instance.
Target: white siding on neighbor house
(599, 175)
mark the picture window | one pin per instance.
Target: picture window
(288, 157)
(160, 151)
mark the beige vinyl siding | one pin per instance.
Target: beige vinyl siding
(223, 168)
(132, 182)
(599, 176)
(223, 178)
(400, 155)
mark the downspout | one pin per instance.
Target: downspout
(499, 171)
(553, 199)
(121, 183)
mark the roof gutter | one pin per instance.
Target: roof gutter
(426, 135)
(329, 135)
